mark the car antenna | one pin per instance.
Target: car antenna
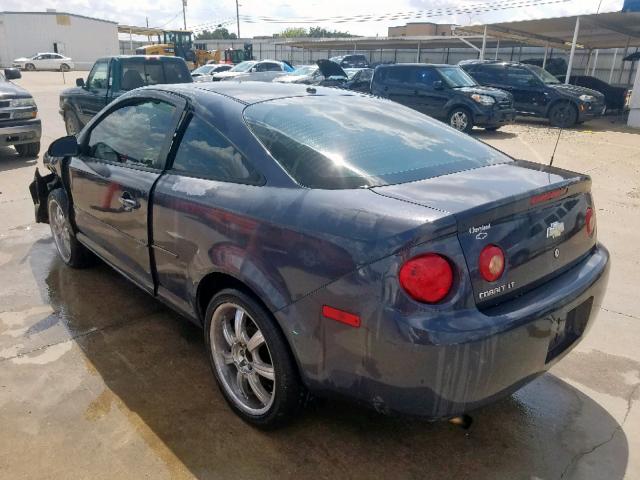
(555, 147)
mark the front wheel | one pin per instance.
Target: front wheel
(71, 122)
(28, 150)
(563, 115)
(460, 119)
(70, 250)
(30, 67)
(251, 361)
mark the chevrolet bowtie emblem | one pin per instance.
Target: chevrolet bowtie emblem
(555, 230)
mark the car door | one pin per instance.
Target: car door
(397, 85)
(123, 154)
(40, 62)
(195, 217)
(528, 91)
(95, 92)
(56, 61)
(428, 99)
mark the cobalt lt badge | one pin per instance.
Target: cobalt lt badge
(555, 229)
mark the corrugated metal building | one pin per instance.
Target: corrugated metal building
(23, 34)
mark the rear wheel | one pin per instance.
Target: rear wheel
(70, 250)
(71, 122)
(563, 115)
(251, 361)
(64, 67)
(30, 67)
(28, 150)
(460, 118)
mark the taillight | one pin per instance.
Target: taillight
(590, 221)
(491, 263)
(427, 278)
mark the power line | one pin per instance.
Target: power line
(416, 14)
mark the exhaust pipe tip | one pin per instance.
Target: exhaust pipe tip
(462, 421)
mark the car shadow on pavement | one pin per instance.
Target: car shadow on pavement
(10, 160)
(156, 374)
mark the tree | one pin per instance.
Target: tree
(314, 32)
(219, 33)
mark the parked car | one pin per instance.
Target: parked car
(537, 93)
(360, 81)
(19, 122)
(614, 97)
(444, 92)
(262, 71)
(45, 61)
(206, 72)
(238, 69)
(110, 77)
(351, 61)
(332, 243)
(325, 73)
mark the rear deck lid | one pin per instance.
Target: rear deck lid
(535, 214)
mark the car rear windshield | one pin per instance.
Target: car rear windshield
(349, 141)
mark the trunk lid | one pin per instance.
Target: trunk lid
(535, 214)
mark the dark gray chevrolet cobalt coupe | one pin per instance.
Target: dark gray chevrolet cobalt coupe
(332, 243)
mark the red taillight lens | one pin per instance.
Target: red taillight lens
(491, 263)
(590, 221)
(427, 278)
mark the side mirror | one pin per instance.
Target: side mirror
(12, 73)
(64, 147)
(253, 69)
(438, 85)
(80, 82)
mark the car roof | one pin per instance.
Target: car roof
(396, 65)
(249, 92)
(164, 58)
(494, 62)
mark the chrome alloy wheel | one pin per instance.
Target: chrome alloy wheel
(459, 120)
(60, 230)
(242, 359)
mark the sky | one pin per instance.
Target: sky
(168, 13)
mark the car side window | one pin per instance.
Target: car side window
(134, 134)
(519, 77)
(397, 76)
(98, 76)
(425, 77)
(268, 67)
(174, 72)
(205, 152)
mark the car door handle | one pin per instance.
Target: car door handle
(128, 202)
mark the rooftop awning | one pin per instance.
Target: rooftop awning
(133, 30)
(376, 43)
(603, 30)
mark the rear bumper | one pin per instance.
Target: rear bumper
(27, 132)
(495, 118)
(442, 366)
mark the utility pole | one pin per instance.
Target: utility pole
(184, 13)
(237, 17)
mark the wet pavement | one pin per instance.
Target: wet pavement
(98, 380)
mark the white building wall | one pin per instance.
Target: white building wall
(81, 38)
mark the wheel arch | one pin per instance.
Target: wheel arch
(558, 100)
(217, 281)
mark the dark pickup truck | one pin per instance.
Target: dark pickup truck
(110, 77)
(19, 125)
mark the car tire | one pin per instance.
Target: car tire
(64, 67)
(70, 250)
(461, 119)
(30, 67)
(563, 115)
(254, 369)
(71, 122)
(28, 150)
